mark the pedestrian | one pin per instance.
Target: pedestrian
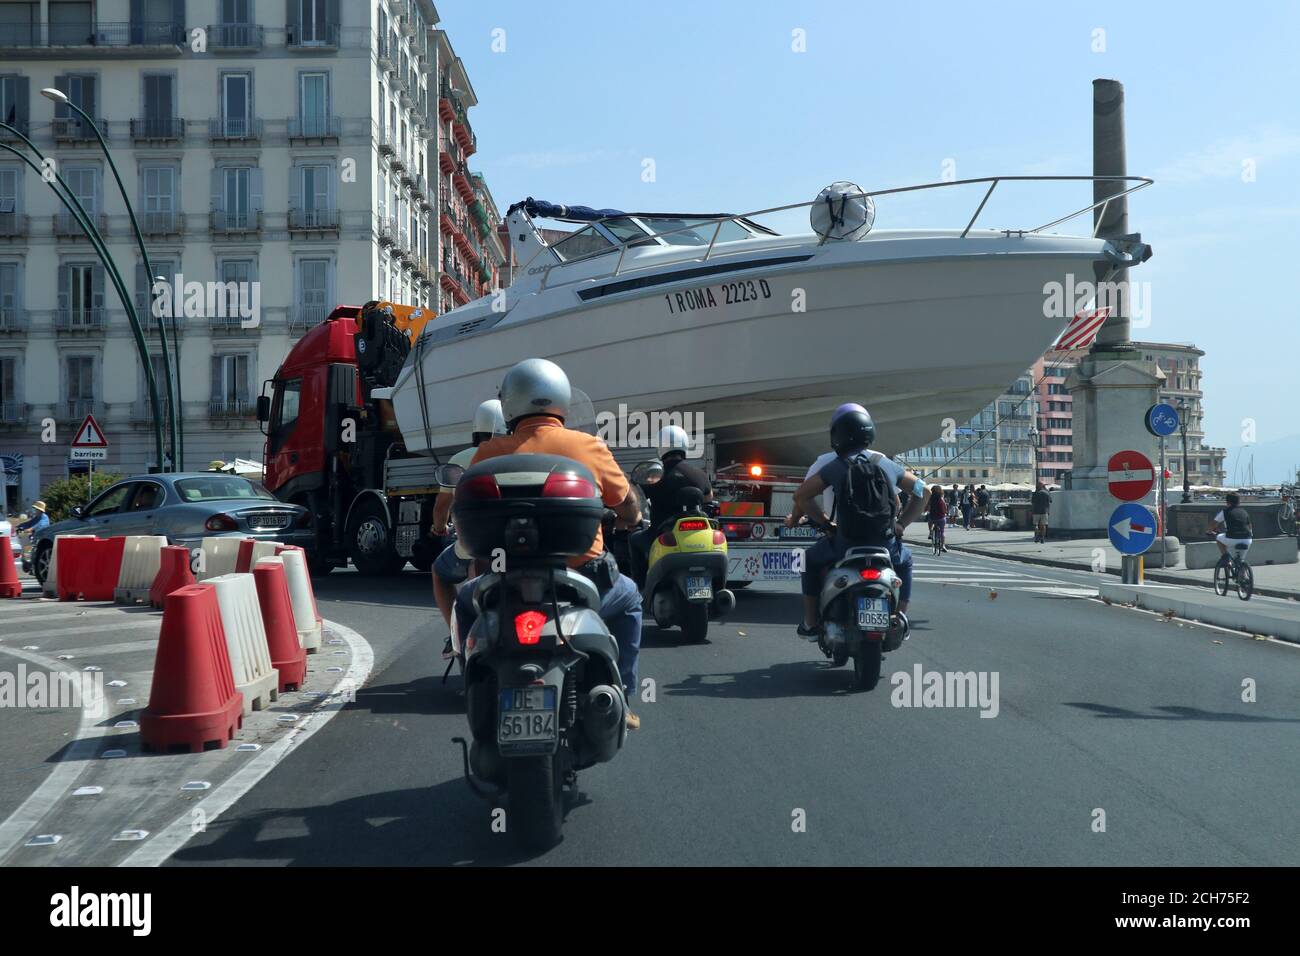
(1040, 503)
(967, 506)
(982, 502)
(937, 516)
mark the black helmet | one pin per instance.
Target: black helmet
(851, 429)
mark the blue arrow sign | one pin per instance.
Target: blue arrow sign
(1162, 419)
(1132, 528)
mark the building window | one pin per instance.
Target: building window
(237, 276)
(237, 105)
(159, 199)
(164, 268)
(313, 290)
(237, 196)
(313, 103)
(230, 384)
(80, 372)
(84, 183)
(159, 104)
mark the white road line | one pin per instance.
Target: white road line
(74, 761)
(172, 837)
(97, 629)
(112, 648)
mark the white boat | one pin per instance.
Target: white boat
(760, 334)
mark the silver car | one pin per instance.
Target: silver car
(186, 508)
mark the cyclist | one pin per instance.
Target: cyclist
(937, 515)
(1231, 526)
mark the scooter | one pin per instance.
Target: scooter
(686, 577)
(858, 603)
(543, 694)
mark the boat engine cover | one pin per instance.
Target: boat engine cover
(842, 212)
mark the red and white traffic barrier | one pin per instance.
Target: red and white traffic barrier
(250, 659)
(10, 586)
(251, 551)
(287, 653)
(217, 556)
(89, 568)
(306, 618)
(141, 559)
(50, 586)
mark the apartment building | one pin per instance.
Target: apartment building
(1181, 364)
(1054, 424)
(297, 148)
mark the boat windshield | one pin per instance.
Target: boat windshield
(583, 243)
(693, 232)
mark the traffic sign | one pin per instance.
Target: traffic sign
(89, 443)
(1130, 475)
(1132, 528)
(1162, 419)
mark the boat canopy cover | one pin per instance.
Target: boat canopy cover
(538, 208)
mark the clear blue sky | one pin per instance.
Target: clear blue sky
(885, 93)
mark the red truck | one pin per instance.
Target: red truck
(334, 448)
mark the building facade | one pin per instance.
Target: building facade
(1181, 365)
(281, 158)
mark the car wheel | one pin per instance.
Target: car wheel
(41, 560)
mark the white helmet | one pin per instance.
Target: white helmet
(488, 419)
(535, 387)
(673, 438)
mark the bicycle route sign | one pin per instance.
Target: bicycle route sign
(1132, 528)
(1162, 419)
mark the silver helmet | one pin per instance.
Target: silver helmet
(673, 438)
(489, 419)
(535, 387)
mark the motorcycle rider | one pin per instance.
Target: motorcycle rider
(453, 563)
(852, 432)
(678, 474)
(535, 397)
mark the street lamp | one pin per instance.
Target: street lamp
(1182, 428)
(58, 97)
(1033, 454)
(78, 212)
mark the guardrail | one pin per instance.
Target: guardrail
(236, 36)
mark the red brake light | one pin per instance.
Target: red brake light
(739, 530)
(480, 486)
(528, 626)
(756, 471)
(719, 538)
(220, 522)
(692, 524)
(667, 540)
(559, 485)
(870, 574)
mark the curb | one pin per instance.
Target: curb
(1235, 617)
(1160, 576)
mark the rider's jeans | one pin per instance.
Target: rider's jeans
(826, 552)
(620, 609)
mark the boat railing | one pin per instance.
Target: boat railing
(702, 222)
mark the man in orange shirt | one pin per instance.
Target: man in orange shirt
(535, 397)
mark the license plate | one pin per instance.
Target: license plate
(269, 522)
(528, 716)
(799, 531)
(873, 614)
(699, 588)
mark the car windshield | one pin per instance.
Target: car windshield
(215, 487)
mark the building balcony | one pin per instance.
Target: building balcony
(157, 129)
(314, 130)
(464, 135)
(166, 223)
(235, 37)
(237, 222)
(73, 129)
(313, 220)
(384, 53)
(406, 25)
(234, 130)
(66, 226)
(305, 37)
(45, 40)
(460, 179)
(12, 321)
(385, 143)
(228, 408)
(304, 317)
(76, 409)
(387, 231)
(231, 324)
(14, 413)
(396, 161)
(80, 320)
(14, 225)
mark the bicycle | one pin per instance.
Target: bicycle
(1286, 516)
(936, 536)
(1233, 567)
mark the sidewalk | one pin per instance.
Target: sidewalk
(1272, 580)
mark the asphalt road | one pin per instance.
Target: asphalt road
(1101, 710)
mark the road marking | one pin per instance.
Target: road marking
(96, 629)
(112, 648)
(177, 833)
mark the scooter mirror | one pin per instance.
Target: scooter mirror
(448, 475)
(648, 473)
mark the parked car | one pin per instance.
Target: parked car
(16, 546)
(186, 508)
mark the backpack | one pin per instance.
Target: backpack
(864, 498)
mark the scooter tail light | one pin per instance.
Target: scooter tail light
(692, 524)
(870, 574)
(479, 486)
(560, 485)
(719, 538)
(528, 627)
(668, 540)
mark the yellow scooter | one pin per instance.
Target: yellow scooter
(686, 579)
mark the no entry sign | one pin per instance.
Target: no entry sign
(1131, 475)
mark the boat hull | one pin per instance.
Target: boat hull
(762, 356)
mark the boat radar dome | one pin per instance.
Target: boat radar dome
(840, 211)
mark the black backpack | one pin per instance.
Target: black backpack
(864, 498)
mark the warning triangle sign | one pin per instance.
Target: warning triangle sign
(90, 435)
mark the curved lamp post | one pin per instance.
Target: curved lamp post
(59, 97)
(97, 243)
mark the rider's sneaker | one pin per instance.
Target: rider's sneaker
(907, 627)
(809, 633)
(447, 653)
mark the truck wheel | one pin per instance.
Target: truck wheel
(370, 545)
